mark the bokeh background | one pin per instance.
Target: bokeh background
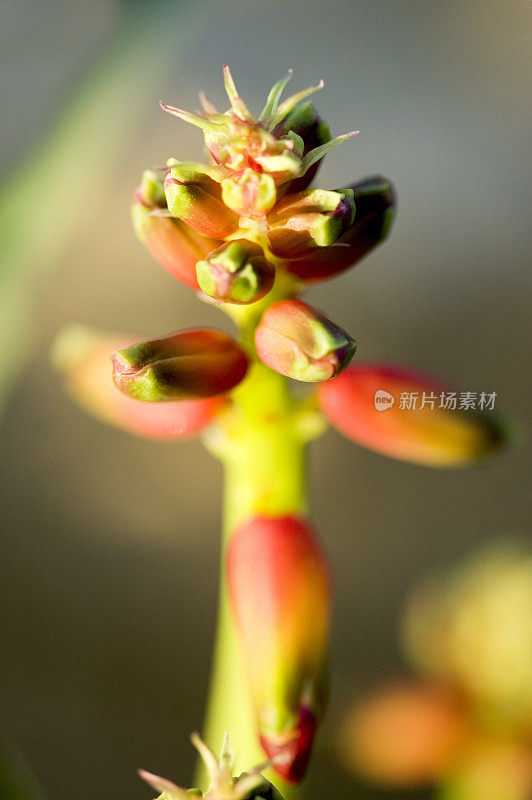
(109, 544)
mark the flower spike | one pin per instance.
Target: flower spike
(274, 96)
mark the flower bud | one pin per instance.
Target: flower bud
(251, 194)
(186, 366)
(195, 197)
(237, 272)
(173, 244)
(296, 340)
(305, 122)
(410, 416)
(279, 592)
(303, 222)
(374, 200)
(83, 357)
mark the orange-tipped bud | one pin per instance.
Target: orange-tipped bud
(404, 414)
(186, 366)
(296, 340)
(83, 357)
(304, 222)
(280, 597)
(171, 242)
(237, 272)
(374, 200)
(195, 197)
(406, 735)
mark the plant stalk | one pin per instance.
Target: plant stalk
(263, 454)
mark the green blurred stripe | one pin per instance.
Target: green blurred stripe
(42, 202)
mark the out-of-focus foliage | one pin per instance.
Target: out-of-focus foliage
(16, 779)
(468, 731)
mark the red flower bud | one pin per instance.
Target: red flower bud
(375, 207)
(195, 197)
(186, 366)
(279, 592)
(84, 359)
(173, 244)
(296, 340)
(407, 415)
(304, 222)
(237, 272)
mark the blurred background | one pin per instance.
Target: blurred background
(109, 544)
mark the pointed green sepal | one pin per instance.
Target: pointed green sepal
(289, 104)
(274, 96)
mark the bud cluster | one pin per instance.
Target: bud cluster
(231, 228)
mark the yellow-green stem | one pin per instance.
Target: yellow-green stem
(263, 452)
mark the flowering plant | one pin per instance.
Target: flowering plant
(248, 233)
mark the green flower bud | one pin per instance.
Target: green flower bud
(296, 340)
(251, 194)
(175, 245)
(308, 220)
(374, 199)
(237, 272)
(194, 196)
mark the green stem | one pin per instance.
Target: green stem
(262, 448)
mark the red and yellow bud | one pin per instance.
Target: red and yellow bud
(374, 200)
(296, 340)
(171, 242)
(186, 366)
(406, 415)
(194, 196)
(304, 222)
(83, 357)
(406, 735)
(279, 591)
(237, 272)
